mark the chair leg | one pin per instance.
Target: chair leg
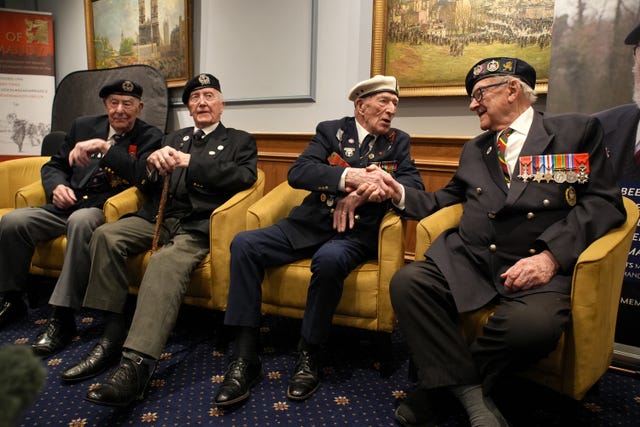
(385, 354)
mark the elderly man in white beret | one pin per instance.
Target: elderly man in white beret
(334, 226)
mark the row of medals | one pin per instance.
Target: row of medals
(558, 175)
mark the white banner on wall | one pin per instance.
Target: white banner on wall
(27, 80)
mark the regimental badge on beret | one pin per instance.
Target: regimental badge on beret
(490, 67)
(127, 86)
(121, 87)
(204, 79)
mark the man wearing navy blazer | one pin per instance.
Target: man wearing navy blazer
(208, 164)
(620, 124)
(528, 212)
(100, 156)
(334, 226)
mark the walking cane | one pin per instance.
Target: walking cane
(160, 216)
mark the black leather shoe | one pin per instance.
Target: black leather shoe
(240, 377)
(305, 379)
(126, 384)
(10, 311)
(103, 355)
(417, 409)
(53, 337)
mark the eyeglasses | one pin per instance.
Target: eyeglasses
(635, 50)
(479, 93)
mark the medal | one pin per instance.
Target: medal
(570, 196)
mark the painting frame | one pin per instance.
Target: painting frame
(179, 69)
(379, 51)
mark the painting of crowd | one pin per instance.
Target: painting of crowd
(457, 24)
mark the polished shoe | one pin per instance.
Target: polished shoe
(11, 310)
(240, 377)
(103, 355)
(53, 337)
(126, 383)
(417, 409)
(305, 379)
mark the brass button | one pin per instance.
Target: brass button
(531, 215)
(357, 217)
(478, 190)
(546, 202)
(493, 247)
(332, 210)
(532, 251)
(85, 197)
(491, 215)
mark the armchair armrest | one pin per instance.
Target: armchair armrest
(226, 221)
(125, 202)
(31, 195)
(595, 295)
(274, 206)
(17, 173)
(391, 246)
(429, 228)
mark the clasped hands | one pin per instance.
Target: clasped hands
(82, 151)
(166, 159)
(370, 184)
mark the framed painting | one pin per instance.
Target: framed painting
(430, 45)
(152, 32)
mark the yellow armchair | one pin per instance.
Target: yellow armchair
(585, 350)
(15, 174)
(365, 301)
(210, 280)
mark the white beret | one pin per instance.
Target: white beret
(375, 84)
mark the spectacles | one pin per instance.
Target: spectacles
(479, 93)
(635, 50)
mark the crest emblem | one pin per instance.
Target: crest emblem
(127, 86)
(349, 152)
(493, 66)
(204, 79)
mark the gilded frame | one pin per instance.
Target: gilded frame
(380, 49)
(173, 59)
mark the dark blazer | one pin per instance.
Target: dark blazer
(311, 222)
(499, 226)
(107, 175)
(224, 163)
(620, 125)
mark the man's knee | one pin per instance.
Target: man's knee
(530, 329)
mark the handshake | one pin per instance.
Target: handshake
(373, 184)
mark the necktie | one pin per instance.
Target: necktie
(502, 149)
(198, 135)
(367, 145)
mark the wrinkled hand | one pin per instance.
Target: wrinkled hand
(166, 159)
(394, 189)
(344, 213)
(81, 153)
(63, 197)
(530, 272)
(372, 174)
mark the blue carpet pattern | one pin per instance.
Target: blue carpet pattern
(352, 393)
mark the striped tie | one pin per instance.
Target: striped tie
(502, 149)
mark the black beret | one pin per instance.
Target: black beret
(500, 66)
(199, 82)
(121, 87)
(634, 36)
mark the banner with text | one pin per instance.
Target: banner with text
(629, 309)
(27, 80)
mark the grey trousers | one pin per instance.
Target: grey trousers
(20, 232)
(164, 283)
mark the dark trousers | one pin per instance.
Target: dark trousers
(522, 330)
(254, 251)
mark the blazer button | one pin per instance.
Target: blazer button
(493, 247)
(332, 210)
(532, 251)
(356, 217)
(531, 215)
(478, 190)
(85, 197)
(491, 215)
(546, 202)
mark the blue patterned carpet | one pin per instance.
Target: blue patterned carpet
(353, 393)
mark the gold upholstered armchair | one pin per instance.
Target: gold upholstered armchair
(365, 301)
(585, 350)
(210, 281)
(15, 174)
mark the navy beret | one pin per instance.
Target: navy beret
(199, 82)
(634, 36)
(500, 66)
(121, 87)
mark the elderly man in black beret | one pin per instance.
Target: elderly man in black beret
(536, 190)
(99, 158)
(334, 226)
(207, 164)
